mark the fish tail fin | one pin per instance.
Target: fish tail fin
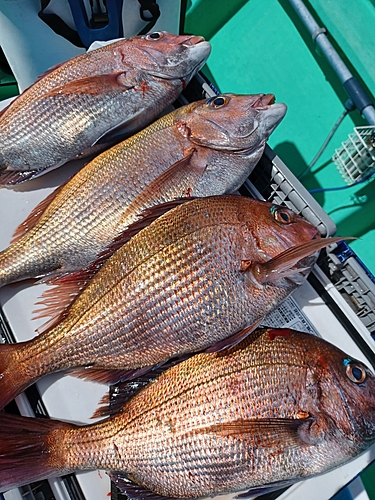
(26, 453)
(13, 378)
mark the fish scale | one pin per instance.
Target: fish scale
(181, 436)
(63, 115)
(184, 283)
(109, 193)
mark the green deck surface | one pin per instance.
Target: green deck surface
(260, 46)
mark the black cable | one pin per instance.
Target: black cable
(325, 143)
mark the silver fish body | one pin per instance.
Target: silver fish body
(63, 115)
(205, 148)
(195, 276)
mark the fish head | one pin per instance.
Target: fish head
(278, 243)
(232, 122)
(167, 56)
(269, 230)
(345, 392)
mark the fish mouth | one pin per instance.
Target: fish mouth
(199, 50)
(193, 40)
(264, 101)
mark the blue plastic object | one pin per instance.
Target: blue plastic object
(102, 26)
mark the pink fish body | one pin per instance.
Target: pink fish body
(197, 275)
(280, 407)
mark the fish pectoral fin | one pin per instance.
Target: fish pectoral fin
(165, 185)
(282, 265)
(133, 490)
(94, 85)
(123, 130)
(264, 490)
(234, 339)
(267, 432)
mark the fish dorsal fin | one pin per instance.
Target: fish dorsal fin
(120, 393)
(49, 71)
(35, 215)
(132, 490)
(132, 383)
(235, 338)
(56, 301)
(4, 110)
(93, 85)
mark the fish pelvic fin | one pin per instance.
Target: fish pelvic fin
(25, 453)
(134, 491)
(9, 178)
(282, 266)
(13, 378)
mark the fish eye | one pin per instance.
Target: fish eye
(156, 35)
(356, 373)
(217, 102)
(282, 215)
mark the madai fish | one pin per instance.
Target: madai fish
(64, 114)
(279, 407)
(195, 276)
(205, 148)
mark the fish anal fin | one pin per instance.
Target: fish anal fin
(32, 220)
(264, 490)
(234, 339)
(132, 490)
(93, 85)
